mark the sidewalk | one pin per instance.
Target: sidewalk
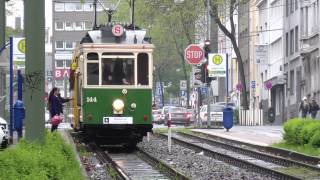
(257, 135)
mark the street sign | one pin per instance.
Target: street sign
(217, 65)
(261, 54)
(253, 84)
(183, 93)
(193, 54)
(117, 30)
(183, 85)
(204, 90)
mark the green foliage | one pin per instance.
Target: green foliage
(236, 116)
(52, 160)
(13, 32)
(305, 149)
(302, 132)
(315, 140)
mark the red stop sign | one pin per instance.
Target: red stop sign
(193, 54)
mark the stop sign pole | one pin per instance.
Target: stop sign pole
(193, 54)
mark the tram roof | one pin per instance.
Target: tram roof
(104, 35)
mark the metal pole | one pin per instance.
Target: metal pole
(227, 78)
(2, 44)
(198, 106)
(95, 14)
(20, 82)
(11, 90)
(35, 69)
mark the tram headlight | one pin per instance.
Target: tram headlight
(118, 106)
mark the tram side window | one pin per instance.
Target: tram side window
(92, 56)
(143, 69)
(92, 73)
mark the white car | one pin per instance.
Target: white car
(216, 113)
(4, 133)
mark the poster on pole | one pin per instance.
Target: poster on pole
(217, 65)
(19, 50)
(261, 54)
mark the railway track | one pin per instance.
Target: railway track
(304, 159)
(136, 165)
(244, 159)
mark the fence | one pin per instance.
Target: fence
(251, 117)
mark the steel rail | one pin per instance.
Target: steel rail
(161, 166)
(297, 157)
(255, 154)
(234, 161)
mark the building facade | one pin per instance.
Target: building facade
(71, 19)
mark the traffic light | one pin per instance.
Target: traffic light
(206, 78)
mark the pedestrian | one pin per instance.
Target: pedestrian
(54, 105)
(62, 101)
(304, 107)
(314, 108)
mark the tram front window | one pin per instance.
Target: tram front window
(117, 71)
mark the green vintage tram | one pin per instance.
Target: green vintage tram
(111, 82)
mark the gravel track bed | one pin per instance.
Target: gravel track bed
(194, 164)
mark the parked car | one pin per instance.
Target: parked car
(164, 111)
(178, 115)
(157, 116)
(4, 133)
(216, 113)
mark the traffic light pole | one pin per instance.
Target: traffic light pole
(34, 23)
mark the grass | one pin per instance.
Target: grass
(304, 149)
(165, 130)
(54, 159)
(300, 172)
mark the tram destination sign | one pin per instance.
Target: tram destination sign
(193, 54)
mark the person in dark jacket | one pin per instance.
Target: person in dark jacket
(62, 101)
(54, 105)
(314, 108)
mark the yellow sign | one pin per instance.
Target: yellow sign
(217, 59)
(74, 66)
(22, 46)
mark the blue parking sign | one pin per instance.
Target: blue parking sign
(182, 93)
(204, 90)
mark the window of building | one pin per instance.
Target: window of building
(287, 44)
(291, 6)
(296, 4)
(296, 38)
(291, 41)
(59, 64)
(69, 7)
(69, 26)
(87, 25)
(68, 64)
(59, 45)
(78, 7)
(78, 26)
(59, 7)
(59, 83)
(287, 8)
(59, 26)
(291, 82)
(69, 45)
(87, 7)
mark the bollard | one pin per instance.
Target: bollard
(169, 136)
(148, 136)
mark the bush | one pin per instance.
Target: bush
(315, 140)
(292, 130)
(236, 116)
(308, 130)
(52, 160)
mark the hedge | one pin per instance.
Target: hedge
(302, 131)
(52, 160)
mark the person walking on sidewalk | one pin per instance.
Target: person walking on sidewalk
(314, 108)
(304, 107)
(54, 105)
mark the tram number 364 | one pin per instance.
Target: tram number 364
(92, 99)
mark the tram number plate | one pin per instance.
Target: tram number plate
(117, 120)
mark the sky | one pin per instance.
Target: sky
(17, 9)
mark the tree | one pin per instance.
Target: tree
(231, 5)
(173, 27)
